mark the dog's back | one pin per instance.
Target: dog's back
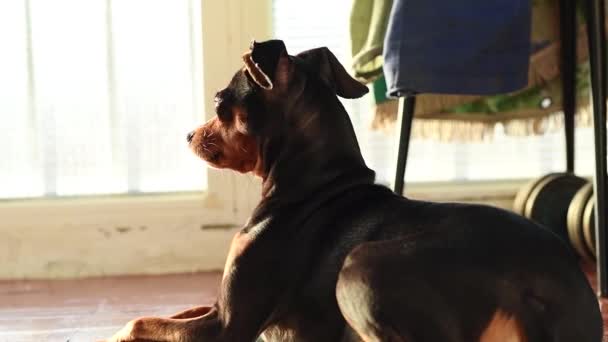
(465, 266)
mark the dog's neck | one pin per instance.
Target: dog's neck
(322, 153)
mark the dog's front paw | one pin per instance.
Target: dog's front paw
(129, 333)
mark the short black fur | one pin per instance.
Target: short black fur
(334, 257)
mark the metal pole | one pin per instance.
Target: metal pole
(597, 58)
(567, 9)
(405, 116)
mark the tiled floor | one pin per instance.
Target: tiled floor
(87, 310)
(91, 309)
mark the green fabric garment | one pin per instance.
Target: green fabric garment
(548, 95)
(379, 89)
(368, 23)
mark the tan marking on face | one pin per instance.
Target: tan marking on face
(227, 145)
(503, 328)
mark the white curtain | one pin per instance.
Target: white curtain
(96, 96)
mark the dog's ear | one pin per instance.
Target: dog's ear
(267, 63)
(323, 62)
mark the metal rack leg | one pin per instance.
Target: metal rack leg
(597, 58)
(405, 117)
(568, 67)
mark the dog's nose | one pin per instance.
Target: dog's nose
(190, 136)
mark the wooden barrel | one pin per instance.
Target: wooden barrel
(546, 200)
(578, 222)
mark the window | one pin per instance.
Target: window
(503, 158)
(96, 97)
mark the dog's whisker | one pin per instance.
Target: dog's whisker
(206, 149)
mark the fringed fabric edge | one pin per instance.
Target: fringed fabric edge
(474, 128)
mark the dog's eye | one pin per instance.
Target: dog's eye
(215, 157)
(224, 112)
(222, 105)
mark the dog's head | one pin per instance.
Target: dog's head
(280, 107)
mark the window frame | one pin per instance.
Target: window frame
(63, 237)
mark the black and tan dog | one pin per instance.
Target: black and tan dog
(329, 256)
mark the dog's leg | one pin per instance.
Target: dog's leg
(192, 312)
(419, 290)
(151, 328)
(148, 329)
(255, 279)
